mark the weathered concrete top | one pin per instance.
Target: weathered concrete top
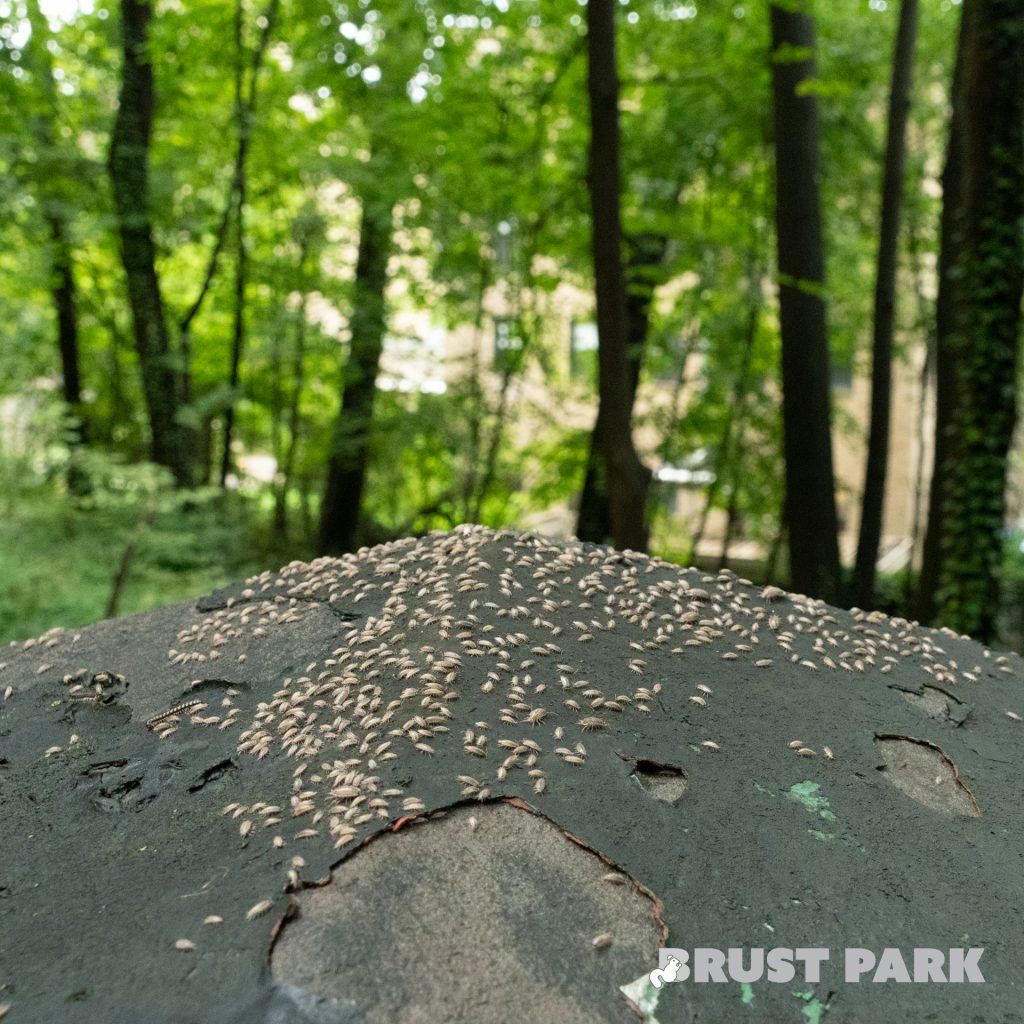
(346, 791)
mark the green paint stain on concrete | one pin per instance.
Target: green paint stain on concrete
(807, 793)
(748, 993)
(814, 1010)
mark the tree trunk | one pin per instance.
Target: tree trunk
(50, 181)
(346, 475)
(810, 491)
(627, 479)
(298, 377)
(237, 331)
(926, 378)
(62, 288)
(981, 276)
(646, 256)
(245, 109)
(728, 451)
(162, 381)
(885, 310)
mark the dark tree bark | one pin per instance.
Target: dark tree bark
(62, 288)
(245, 109)
(298, 376)
(646, 255)
(163, 382)
(627, 479)
(306, 230)
(810, 489)
(350, 448)
(62, 276)
(885, 309)
(978, 318)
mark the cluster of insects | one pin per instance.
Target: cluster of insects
(532, 631)
(548, 648)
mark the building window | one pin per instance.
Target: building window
(508, 344)
(583, 351)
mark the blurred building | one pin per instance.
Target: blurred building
(557, 393)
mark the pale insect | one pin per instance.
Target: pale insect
(258, 910)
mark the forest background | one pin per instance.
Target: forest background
(281, 279)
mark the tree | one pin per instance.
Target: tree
(163, 379)
(978, 315)
(53, 186)
(644, 266)
(245, 110)
(627, 479)
(350, 446)
(885, 308)
(810, 490)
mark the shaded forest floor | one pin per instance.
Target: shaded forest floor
(63, 557)
(59, 558)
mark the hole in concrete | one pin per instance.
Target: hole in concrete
(462, 920)
(931, 701)
(926, 774)
(661, 781)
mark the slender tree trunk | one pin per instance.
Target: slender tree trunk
(245, 110)
(771, 563)
(350, 448)
(298, 376)
(475, 482)
(64, 294)
(732, 505)
(885, 309)
(978, 315)
(926, 325)
(734, 418)
(237, 332)
(627, 479)
(163, 382)
(642, 272)
(62, 277)
(124, 564)
(806, 385)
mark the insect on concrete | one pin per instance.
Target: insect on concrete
(258, 910)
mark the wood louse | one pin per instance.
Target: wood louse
(258, 910)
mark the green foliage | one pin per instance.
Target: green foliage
(470, 119)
